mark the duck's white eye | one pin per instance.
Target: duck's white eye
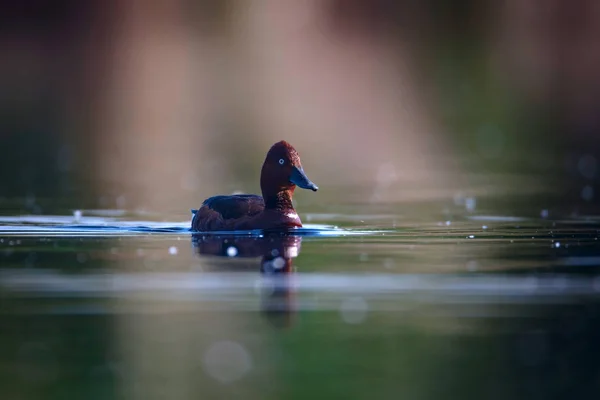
(281, 161)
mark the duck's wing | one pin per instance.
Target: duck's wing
(235, 206)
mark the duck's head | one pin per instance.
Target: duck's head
(282, 170)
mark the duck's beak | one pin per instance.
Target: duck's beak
(299, 178)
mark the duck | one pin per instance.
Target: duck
(281, 173)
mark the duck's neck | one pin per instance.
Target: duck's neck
(280, 201)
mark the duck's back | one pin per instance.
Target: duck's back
(224, 212)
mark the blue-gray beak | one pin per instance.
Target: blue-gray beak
(299, 178)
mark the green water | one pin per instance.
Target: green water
(447, 304)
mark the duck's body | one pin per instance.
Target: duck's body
(241, 212)
(280, 174)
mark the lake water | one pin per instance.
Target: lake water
(459, 302)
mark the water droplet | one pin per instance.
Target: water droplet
(65, 158)
(587, 193)
(77, 216)
(557, 245)
(472, 266)
(470, 203)
(354, 310)
(173, 250)
(226, 361)
(544, 213)
(30, 201)
(386, 173)
(121, 201)
(278, 263)
(587, 166)
(232, 251)
(459, 199)
(264, 286)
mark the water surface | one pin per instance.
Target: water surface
(376, 304)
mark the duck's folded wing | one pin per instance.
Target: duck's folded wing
(237, 206)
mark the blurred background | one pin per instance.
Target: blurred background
(157, 105)
(468, 130)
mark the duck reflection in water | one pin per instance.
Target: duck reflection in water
(275, 253)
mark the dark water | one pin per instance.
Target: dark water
(421, 306)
